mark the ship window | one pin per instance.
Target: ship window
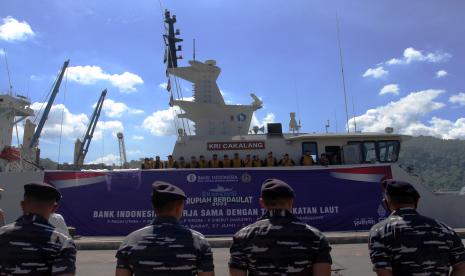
(312, 147)
(369, 152)
(388, 151)
(334, 154)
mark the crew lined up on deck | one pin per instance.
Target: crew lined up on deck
(235, 162)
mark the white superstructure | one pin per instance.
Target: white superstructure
(17, 164)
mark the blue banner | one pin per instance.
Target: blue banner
(220, 201)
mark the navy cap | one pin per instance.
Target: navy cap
(42, 191)
(164, 192)
(275, 188)
(399, 188)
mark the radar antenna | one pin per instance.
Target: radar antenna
(294, 127)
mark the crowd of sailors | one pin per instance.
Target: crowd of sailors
(235, 162)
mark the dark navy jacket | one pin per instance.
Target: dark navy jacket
(32, 246)
(278, 244)
(409, 244)
(165, 248)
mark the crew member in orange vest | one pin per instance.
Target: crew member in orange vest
(286, 161)
(270, 161)
(215, 163)
(145, 164)
(237, 162)
(307, 159)
(151, 163)
(202, 162)
(227, 163)
(158, 164)
(194, 163)
(248, 161)
(182, 163)
(171, 163)
(256, 161)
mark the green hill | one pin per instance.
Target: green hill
(441, 163)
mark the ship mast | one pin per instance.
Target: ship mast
(171, 57)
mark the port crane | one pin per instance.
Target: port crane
(81, 148)
(122, 151)
(29, 150)
(35, 138)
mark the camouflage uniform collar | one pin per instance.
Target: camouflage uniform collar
(172, 220)
(278, 213)
(30, 218)
(405, 211)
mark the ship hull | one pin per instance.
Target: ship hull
(13, 183)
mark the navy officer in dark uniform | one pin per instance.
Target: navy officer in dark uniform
(165, 247)
(407, 243)
(31, 245)
(279, 243)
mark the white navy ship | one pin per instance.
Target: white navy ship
(341, 194)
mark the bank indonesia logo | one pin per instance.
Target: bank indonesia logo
(191, 177)
(381, 211)
(246, 178)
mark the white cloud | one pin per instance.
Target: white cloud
(163, 85)
(458, 99)
(390, 89)
(12, 30)
(114, 109)
(404, 116)
(441, 74)
(269, 118)
(134, 152)
(376, 73)
(107, 126)
(88, 74)
(410, 55)
(445, 129)
(2, 52)
(35, 78)
(137, 137)
(74, 125)
(108, 159)
(161, 122)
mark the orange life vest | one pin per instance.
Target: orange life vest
(226, 163)
(307, 160)
(203, 164)
(287, 163)
(270, 162)
(237, 162)
(215, 163)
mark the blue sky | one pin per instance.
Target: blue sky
(284, 52)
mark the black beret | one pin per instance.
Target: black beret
(399, 188)
(275, 188)
(42, 191)
(164, 192)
